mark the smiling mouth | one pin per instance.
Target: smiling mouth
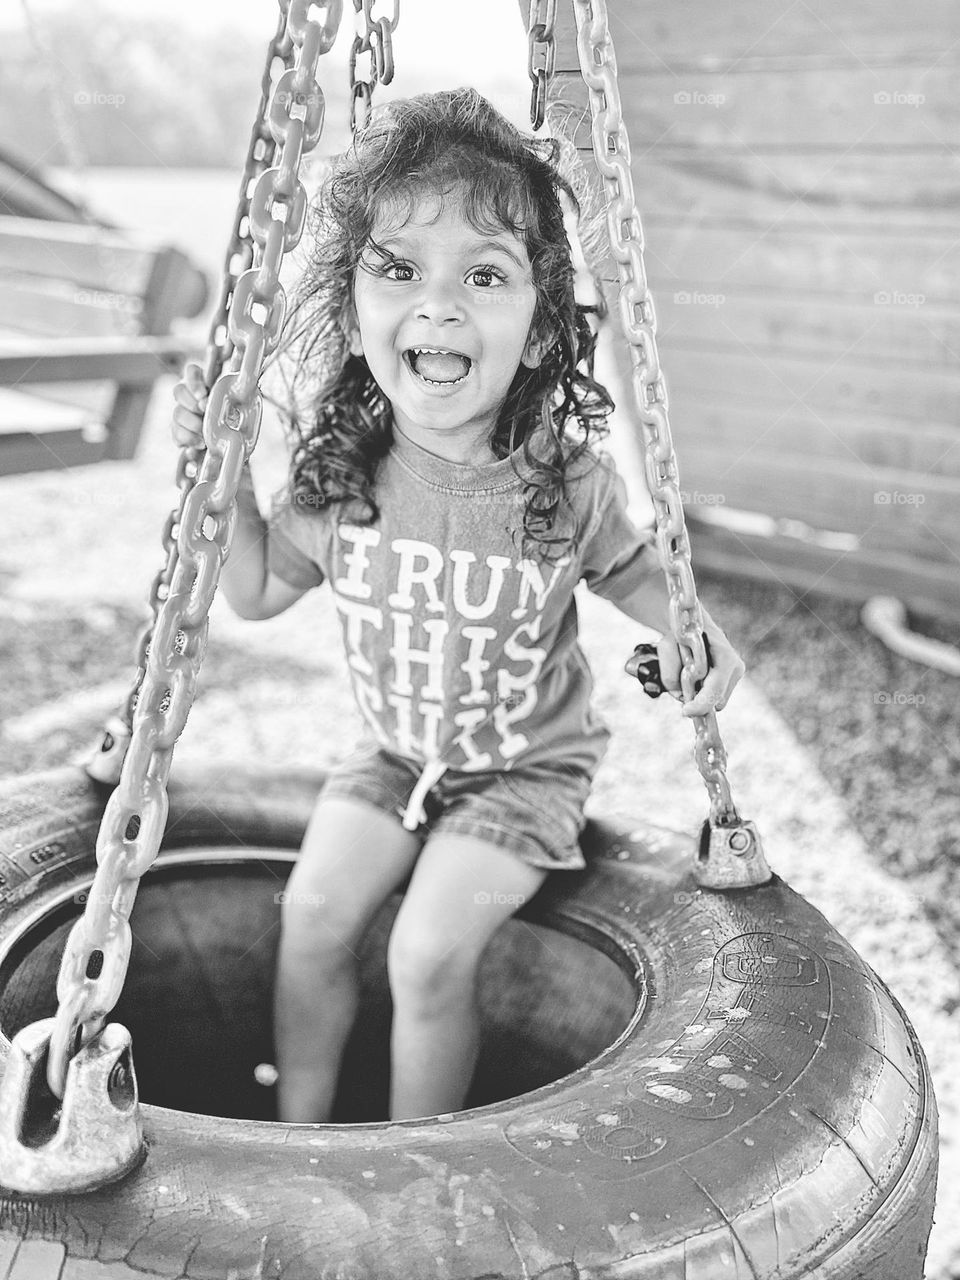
(438, 366)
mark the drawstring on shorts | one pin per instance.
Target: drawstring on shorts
(414, 813)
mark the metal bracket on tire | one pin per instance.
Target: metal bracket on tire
(730, 857)
(93, 1137)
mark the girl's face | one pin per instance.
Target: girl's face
(444, 322)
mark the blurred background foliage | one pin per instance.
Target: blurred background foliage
(132, 87)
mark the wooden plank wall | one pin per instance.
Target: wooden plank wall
(798, 176)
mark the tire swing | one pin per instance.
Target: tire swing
(686, 1072)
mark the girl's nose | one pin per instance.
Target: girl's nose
(440, 302)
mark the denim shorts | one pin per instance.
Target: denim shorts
(535, 812)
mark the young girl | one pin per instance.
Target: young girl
(445, 485)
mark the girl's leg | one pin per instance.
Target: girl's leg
(462, 890)
(352, 858)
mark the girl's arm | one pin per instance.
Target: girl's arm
(251, 590)
(649, 603)
(622, 563)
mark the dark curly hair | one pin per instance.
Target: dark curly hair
(448, 143)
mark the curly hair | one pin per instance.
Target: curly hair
(452, 143)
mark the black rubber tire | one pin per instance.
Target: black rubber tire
(768, 1112)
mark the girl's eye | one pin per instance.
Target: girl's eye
(486, 276)
(401, 271)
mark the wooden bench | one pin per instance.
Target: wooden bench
(84, 335)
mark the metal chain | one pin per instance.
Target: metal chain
(377, 40)
(97, 952)
(612, 151)
(107, 759)
(542, 55)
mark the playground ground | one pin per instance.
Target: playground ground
(844, 754)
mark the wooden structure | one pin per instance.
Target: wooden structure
(24, 193)
(84, 335)
(797, 177)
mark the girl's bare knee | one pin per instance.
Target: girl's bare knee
(426, 967)
(352, 858)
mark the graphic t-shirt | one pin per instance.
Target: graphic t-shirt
(463, 652)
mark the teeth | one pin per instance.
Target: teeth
(414, 354)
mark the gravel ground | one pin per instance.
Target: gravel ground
(844, 754)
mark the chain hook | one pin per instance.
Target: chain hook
(93, 1138)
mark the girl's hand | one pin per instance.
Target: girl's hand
(726, 670)
(190, 394)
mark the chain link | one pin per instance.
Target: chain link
(261, 153)
(97, 952)
(197, 535)
(542, 55)
(377, 41)
(612, 151)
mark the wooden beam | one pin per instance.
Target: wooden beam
(134, 361)
(928, 589)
